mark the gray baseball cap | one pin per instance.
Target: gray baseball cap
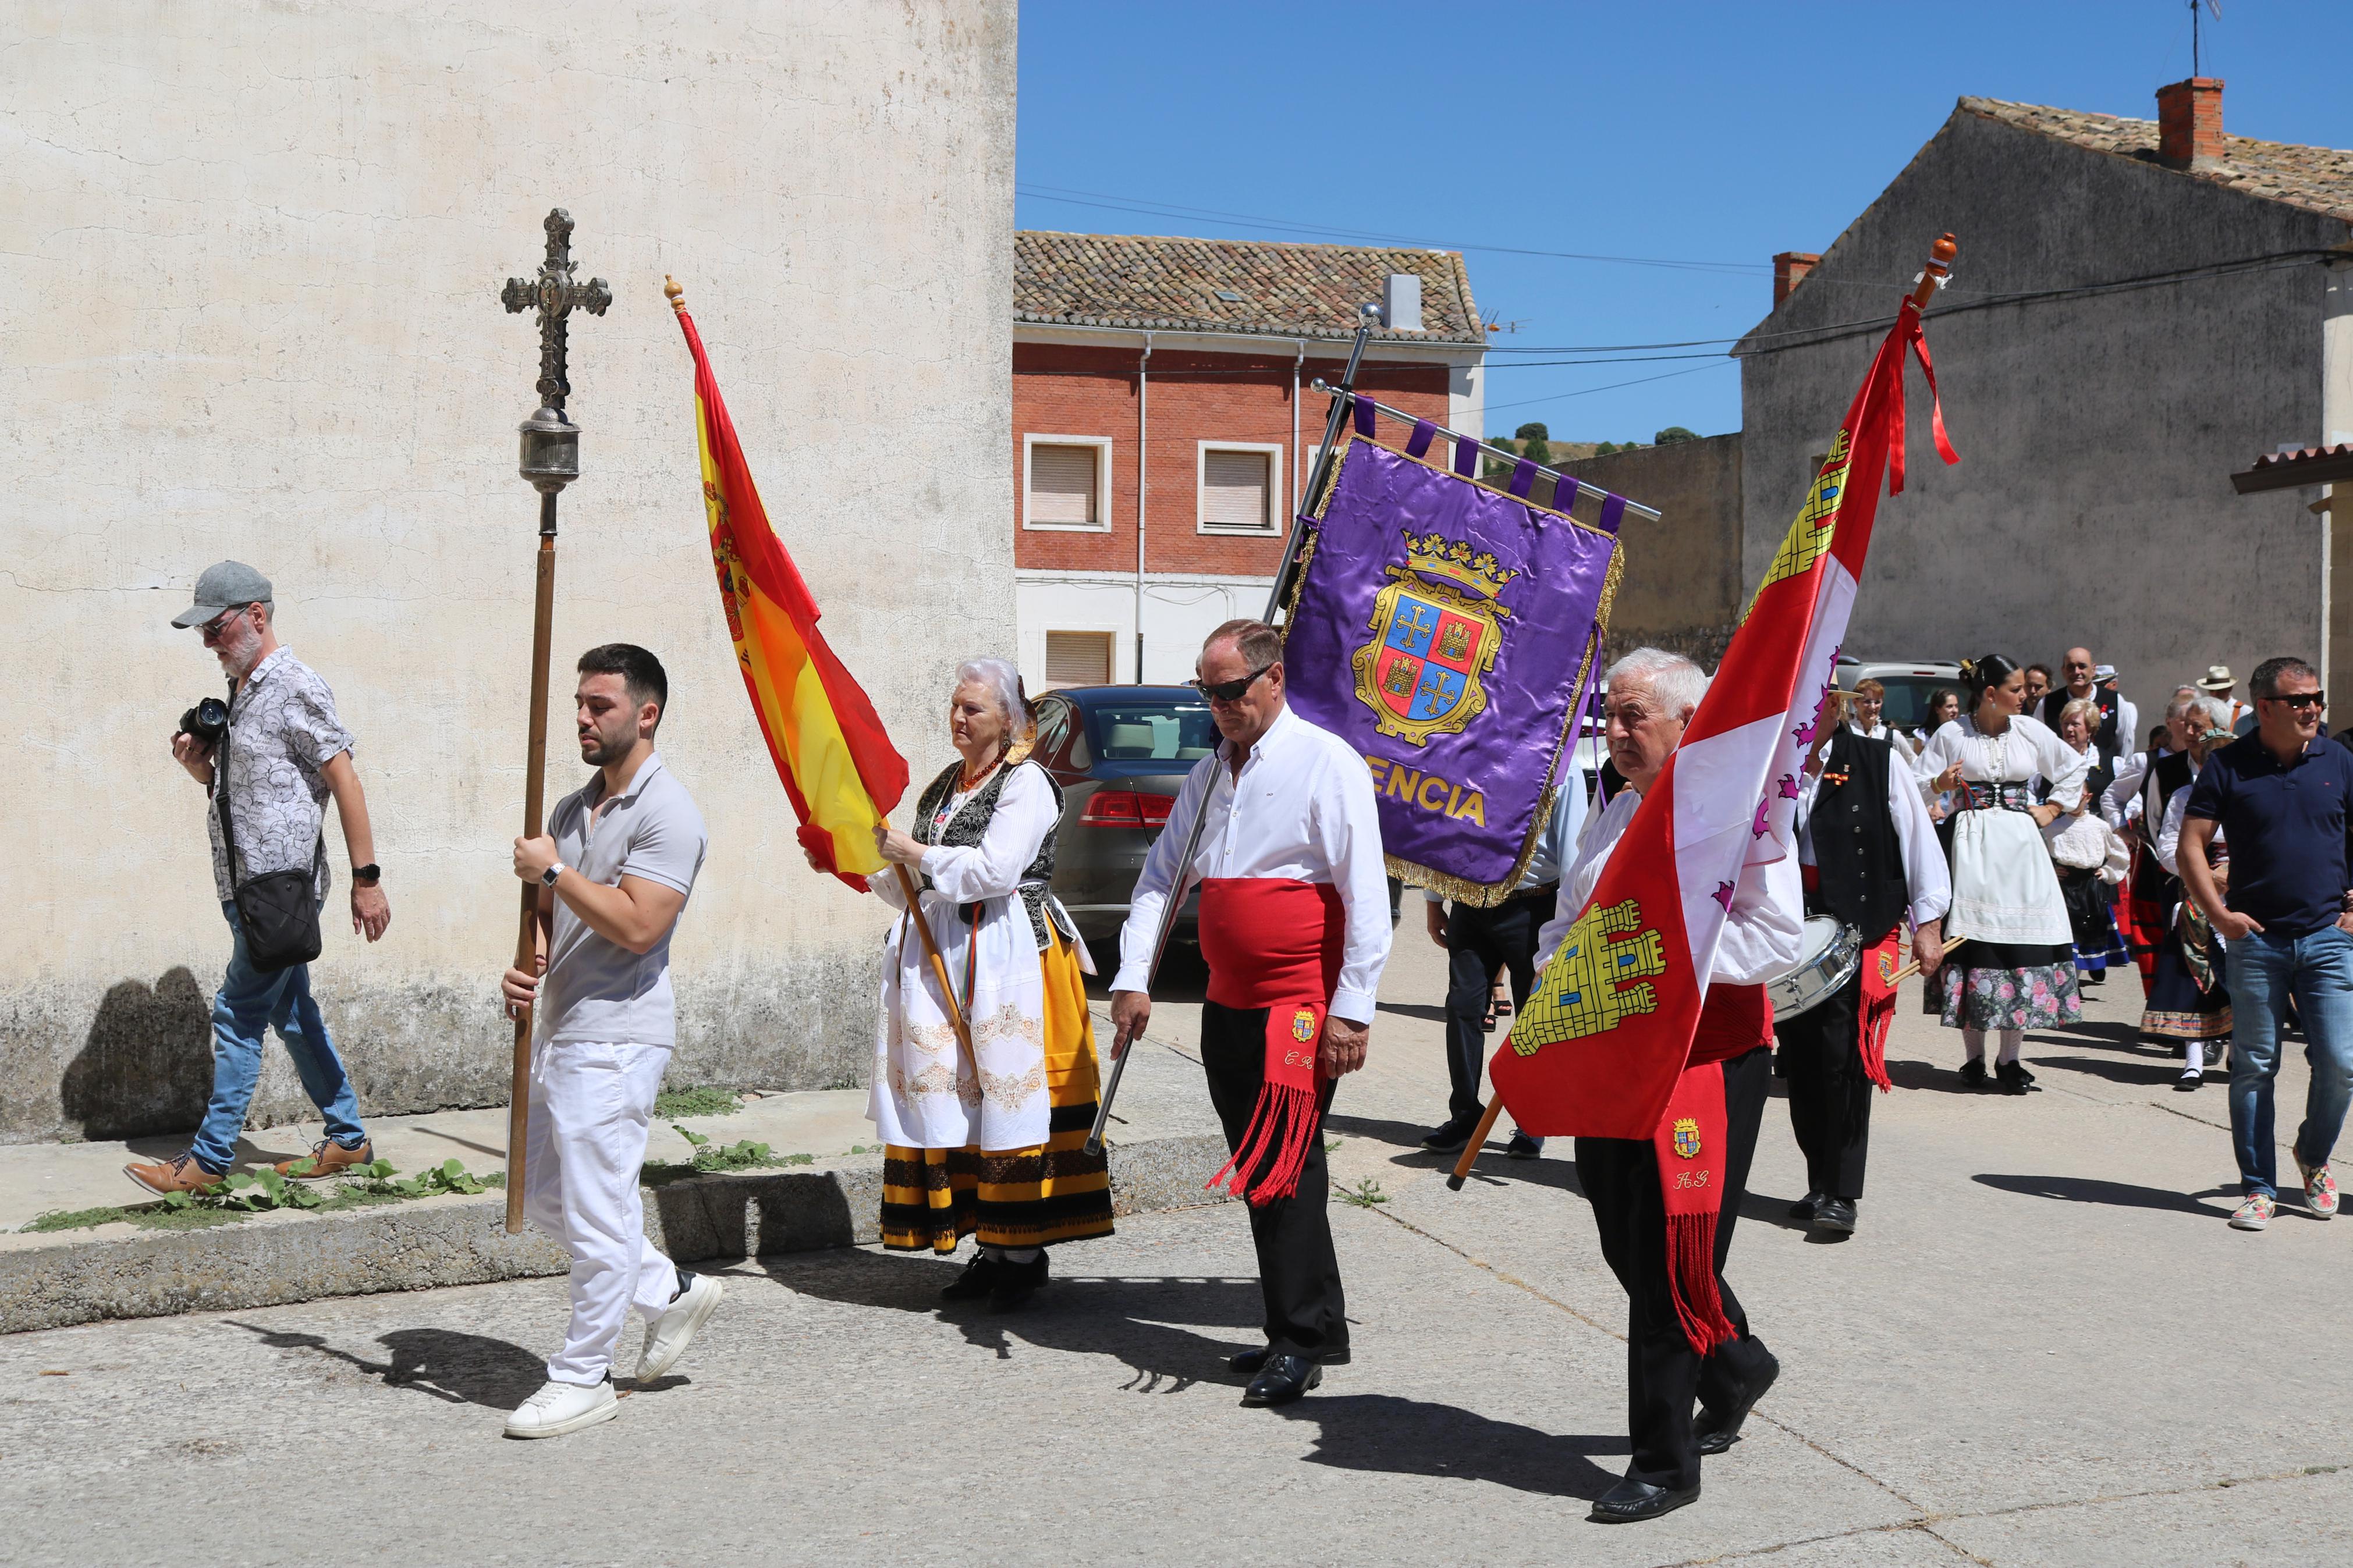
(224, 583)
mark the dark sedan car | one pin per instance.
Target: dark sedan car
(1120, 753)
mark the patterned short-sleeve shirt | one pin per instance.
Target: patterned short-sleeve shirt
(282, 730)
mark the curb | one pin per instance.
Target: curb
(273, 1262)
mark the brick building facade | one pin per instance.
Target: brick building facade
(1202, 355)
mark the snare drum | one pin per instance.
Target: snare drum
(1831, 952)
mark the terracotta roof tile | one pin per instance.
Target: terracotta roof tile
(1283, 290)
(2317, 179)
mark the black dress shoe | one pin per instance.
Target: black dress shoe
(1835, 1214)
(1718, 1433)
(2012, 1078)
(1804, 1207)
(1631, 1501)
(1249, 1361)
(979, 1277)
(1523, 1147)
(1973, 1073)
(1449, 1138)
(1017, 1282)
(1282, 1379)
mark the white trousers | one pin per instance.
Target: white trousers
(589, 1106)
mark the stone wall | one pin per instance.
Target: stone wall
(1681, 590)
(249, 264)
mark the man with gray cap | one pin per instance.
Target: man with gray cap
(270, 770)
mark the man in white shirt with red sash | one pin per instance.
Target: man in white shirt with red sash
(1295, 926)
(1687, 1337)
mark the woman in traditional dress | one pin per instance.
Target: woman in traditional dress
(2082, 845)
(994, 1146)
(2188, 1002)
(2016, 971)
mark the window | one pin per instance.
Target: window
(1078, 658)
(1238, 484)
(1153, 729)
(1065, 483)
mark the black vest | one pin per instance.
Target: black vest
(970, 824)
(2105, 740)
(2171, 773)
(1858, 859)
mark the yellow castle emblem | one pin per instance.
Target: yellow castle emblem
(1601, 973)
(1816, 522)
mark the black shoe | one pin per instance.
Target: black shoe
(1973, 1073)
(2188, 1081)
(1804, 1207)
(1523, 1147)
(1017, 1282)
(980, 1277)
(1717, 1432)
(1449, 1138)
(2012, 1077)
(1282, 1379)
(2025, 1076)
(1630, 1502)
(1249, 1361)
(1836, 1215)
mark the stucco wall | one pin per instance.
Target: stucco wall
(1681, 589)
(2093, 503)
(250, 263)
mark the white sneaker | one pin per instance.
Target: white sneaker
(675, 1330)
(561, 1407)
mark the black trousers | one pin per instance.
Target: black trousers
(1479, 942)
(1830, 1097)
(1298, 1272)
(1664, 1375)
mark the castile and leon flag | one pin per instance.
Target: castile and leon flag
(830, 750)
(1607, 1031)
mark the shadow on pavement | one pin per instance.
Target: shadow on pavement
(1421, 1010)
(2140, 1074)
(1386, 1433)
(1131, 1318)
(462, 1369)
(2118, 1194)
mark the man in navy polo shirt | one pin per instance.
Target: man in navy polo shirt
(2278, 800)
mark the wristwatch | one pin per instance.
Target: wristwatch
(547, 877)
(367, 875)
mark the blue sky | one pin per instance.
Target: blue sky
(1708, 135)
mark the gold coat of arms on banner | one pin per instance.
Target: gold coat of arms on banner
(1435, 631)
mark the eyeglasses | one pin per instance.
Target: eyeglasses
(219, 623)
(2300, 700)
(1228, 690)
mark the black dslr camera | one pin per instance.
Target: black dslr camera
(207, 722)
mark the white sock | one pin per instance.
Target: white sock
(2011, 1039)
(1973, 1042)
(1017, 1256)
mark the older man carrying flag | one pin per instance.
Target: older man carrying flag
(1648, 1035)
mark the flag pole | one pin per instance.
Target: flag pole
(939, 966)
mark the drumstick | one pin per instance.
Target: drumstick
(1912, 968)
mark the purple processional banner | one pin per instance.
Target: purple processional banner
(1447, 632)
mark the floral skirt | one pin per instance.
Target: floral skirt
(2178, 1007)
(1984, 986)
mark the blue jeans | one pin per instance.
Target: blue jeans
(248, 1003)
(2263, 971)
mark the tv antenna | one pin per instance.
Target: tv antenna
(2216, 7)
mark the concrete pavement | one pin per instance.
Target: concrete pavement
(2045, 1346)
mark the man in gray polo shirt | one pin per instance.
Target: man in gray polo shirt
(615, 869)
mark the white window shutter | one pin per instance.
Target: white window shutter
(1062, 484)
(1234, 487)
(1078, 658)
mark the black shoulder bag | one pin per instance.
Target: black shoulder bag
(277, 910)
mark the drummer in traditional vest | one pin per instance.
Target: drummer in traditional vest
(1651, 696)
(1295, 926)
(1870, 858)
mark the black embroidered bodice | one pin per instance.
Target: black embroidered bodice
(965, 829)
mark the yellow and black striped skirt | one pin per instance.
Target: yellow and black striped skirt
(1015, 1197)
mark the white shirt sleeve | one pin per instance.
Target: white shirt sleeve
(1158, 879)
(1344, 823)
(992, 868)
(1764, 931)
(1938, 754)
(1924, 874)
(2115, 800)
(2169, 838)
(884, 885)
(2059, 763)
(2128, 734)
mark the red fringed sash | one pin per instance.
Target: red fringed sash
(1274, 942)
(1877, 1013)
(1691, 1145)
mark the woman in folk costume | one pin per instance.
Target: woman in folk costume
(2187, 1001)
(1864, 719)
(993, 1146)
(2016, 971)
(2082, 848)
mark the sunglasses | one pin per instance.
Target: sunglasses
(2300, 700)
(213, 628)
(1228, 690)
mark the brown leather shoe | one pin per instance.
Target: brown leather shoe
(180, 1174)
(326, 1159)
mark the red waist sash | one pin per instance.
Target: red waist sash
(1690, 1144)
(1274, 942)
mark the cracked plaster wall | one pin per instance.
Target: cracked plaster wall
(250, 263)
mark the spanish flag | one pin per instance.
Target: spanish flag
(835, 758)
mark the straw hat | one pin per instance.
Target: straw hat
(2218, 680)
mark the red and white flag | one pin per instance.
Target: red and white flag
(1598, 1049)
